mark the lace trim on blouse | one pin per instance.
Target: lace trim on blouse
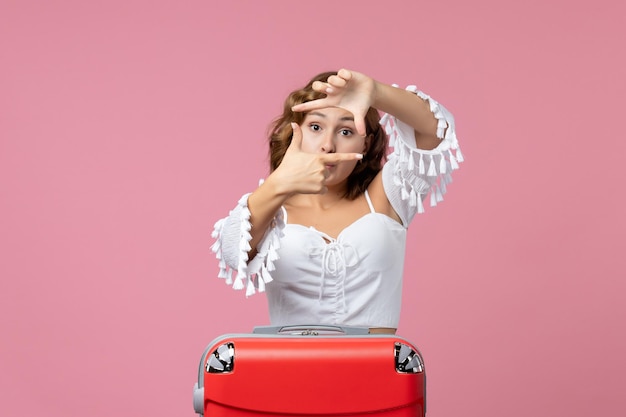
(433, 167)
(253, 275)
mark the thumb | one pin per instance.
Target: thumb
(296, 137)
(359, 123)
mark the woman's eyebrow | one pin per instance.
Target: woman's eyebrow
(343, 119)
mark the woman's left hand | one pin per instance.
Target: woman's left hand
(350, 90)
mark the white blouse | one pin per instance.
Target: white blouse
(355, 279)
(344, 281)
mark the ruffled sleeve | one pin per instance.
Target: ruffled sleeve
(232, 244)
(412, 173)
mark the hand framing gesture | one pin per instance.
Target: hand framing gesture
(304, 172)
(350, 90)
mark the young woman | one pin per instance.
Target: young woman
(324, 235)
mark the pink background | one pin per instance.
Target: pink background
(127, 128)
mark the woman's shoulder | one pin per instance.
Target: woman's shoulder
(379, 199)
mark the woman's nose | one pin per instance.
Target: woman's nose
(328, 143)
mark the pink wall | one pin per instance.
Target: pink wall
(127, 128)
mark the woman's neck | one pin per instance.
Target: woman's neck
(325, 201)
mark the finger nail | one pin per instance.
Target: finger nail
(359, 156)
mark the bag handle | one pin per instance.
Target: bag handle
(311, 330)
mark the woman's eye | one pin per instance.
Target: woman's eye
(315, 127)
(345, 132)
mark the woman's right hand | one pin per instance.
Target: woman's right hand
(302, 172)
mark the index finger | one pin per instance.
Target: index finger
(340, 157)
(320, 103)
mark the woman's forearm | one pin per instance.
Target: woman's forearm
(411, 109)
(263, 204)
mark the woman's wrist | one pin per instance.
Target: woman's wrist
(376, 92)
(278, 186)
(382, 96)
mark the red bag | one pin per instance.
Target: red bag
(312, 371)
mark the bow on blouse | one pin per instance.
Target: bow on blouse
(337, 257)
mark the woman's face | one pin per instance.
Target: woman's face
(332, 130)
